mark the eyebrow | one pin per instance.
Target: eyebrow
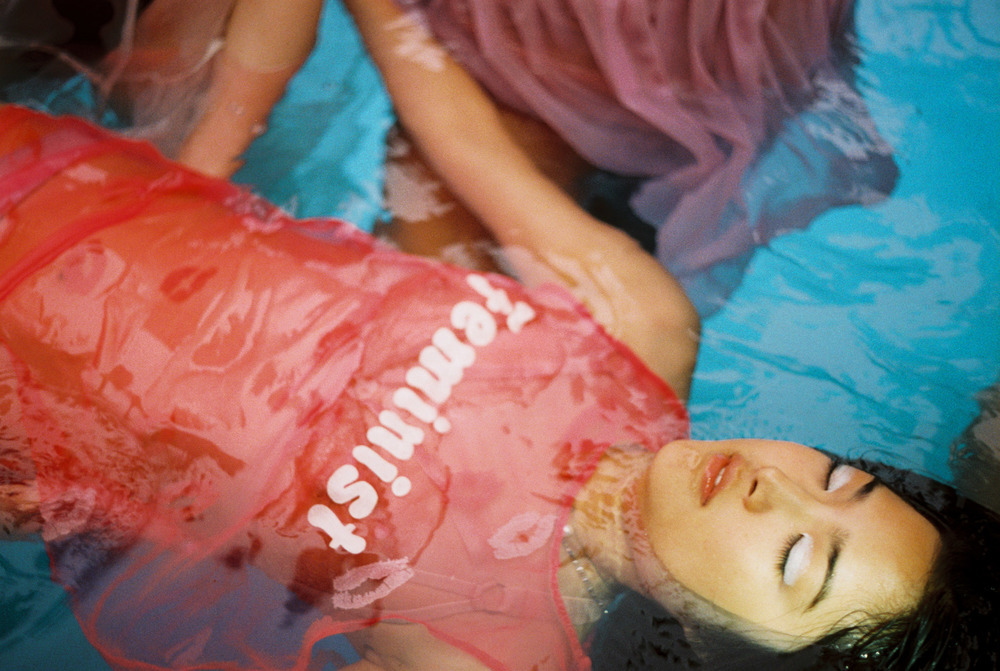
(837, 546)
(865, 490)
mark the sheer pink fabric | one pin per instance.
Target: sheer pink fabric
(246, 440)
(686, 96)
(682, 92)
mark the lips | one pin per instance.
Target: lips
(718, 473)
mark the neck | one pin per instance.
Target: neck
(604, 519)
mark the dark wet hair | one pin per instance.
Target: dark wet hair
(954, 627)
(975, 454)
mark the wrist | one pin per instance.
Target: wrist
(235, 112)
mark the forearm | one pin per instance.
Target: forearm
(236, 111)
(547, 236)
(266, 43)
(456, 126)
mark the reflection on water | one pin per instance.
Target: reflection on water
(869, 333)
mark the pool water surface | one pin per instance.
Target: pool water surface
(869, 333)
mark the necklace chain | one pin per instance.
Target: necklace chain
(581, 571)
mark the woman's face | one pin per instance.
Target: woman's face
(779, 535)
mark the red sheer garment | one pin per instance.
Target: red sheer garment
(247, 440)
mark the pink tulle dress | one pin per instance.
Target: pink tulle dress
(247, 440)
(724, 122)
(686, 96)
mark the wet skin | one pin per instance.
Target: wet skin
(781, 536)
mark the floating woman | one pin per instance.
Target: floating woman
(243, 440)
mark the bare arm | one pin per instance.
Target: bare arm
(266, 43)
(548, 236)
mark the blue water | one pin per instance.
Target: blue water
(869, 333)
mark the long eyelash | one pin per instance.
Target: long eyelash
(834, 462)
(786, 550)
(868, 487)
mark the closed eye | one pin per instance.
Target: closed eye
(795, 558)
(838, 475)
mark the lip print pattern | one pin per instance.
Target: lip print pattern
(185, 282)
(524, 534)
(367, 584)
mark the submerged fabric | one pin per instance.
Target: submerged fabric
(733, 114)
(688, 95)
(246, 440)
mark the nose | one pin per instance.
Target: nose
(771, 488)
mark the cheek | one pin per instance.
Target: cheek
(718, 558)
(669, 495)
